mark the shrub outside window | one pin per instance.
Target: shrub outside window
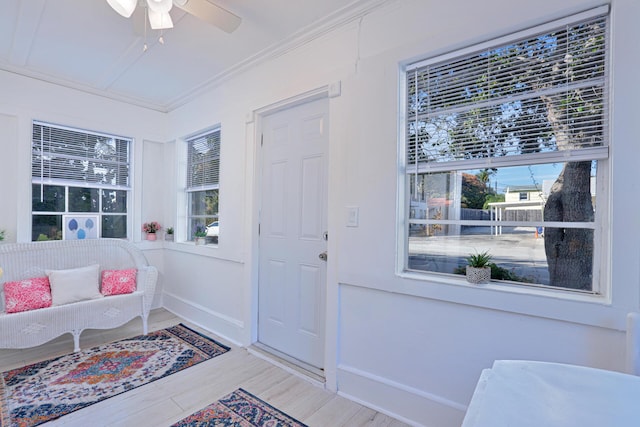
(506, 151)
(203, 187)
(75, 171)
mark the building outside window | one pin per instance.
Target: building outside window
(80, 183)
(203, 185)
(527, 111)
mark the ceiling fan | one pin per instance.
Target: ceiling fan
(159, 18)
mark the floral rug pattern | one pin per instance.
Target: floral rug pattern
(47, 390)
(239, 409)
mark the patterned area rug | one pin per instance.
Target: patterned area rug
(47, 390)
(239, 409)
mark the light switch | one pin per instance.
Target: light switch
(352, 216)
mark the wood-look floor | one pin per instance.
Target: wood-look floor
(166, 401)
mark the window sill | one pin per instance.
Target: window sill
(496, 286)
(210, 251)
(593, 310)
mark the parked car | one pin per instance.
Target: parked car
(213, 229)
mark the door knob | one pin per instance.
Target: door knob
(323, 256)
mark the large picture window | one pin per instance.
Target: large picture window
(75, 171)
(203, 185)
(506, 151)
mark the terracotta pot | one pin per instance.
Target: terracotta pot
(151, 236)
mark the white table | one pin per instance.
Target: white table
(540, 394)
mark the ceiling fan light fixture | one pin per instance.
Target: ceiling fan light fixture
(160, 21)
(123, 7)
(160, 6)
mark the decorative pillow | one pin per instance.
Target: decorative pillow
(77, 284)
(116, 282)
(27, 294)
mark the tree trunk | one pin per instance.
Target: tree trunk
(569, 251)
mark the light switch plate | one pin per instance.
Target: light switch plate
(352, 216)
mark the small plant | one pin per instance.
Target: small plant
(2, 235)
(201, 231)
(169, 230)
(479, 259)
(151, 227)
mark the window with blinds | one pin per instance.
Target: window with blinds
(538, 94)
(203, 175)
(62, 154)
(526, 112)
(80, 183)
(203, 161)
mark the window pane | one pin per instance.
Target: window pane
(114, 226)
(203, 157)
(517, 193)
(204, 214)
(455, 214)
(46, 227)
(204, 203)
(208, 226)
(58, 152)
(83, 199)
(196, 224)
(518, 254)
(539, 94)
(47, 198)
(114, 201)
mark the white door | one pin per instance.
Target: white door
(293, 225)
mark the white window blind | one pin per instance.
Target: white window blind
(542, 95)
(203, 161)
(64, 155)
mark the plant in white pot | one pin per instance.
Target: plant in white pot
(169, 234)
(200, 234)
(478, 268)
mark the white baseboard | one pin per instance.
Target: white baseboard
(418, 408)
(222, 325)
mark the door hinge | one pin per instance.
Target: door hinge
(261, 139)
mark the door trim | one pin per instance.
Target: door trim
(254, 130)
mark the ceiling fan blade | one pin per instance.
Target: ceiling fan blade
(210, 13)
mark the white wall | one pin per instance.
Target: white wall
(24, 100)
(410, 347)
(406, 346)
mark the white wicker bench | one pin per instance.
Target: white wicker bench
(35, 327)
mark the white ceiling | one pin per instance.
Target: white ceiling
(86, 45)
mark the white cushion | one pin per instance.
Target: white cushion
(74, 285)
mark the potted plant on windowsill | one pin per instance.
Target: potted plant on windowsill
(200, 234)
(151, 228)
(169, 234)
(478, 268)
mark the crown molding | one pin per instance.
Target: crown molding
(336, 20)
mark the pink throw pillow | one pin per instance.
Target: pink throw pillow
(116, 282)
(27, 294)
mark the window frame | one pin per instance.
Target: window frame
(206, 182)
(601, 292)
(68, 183)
